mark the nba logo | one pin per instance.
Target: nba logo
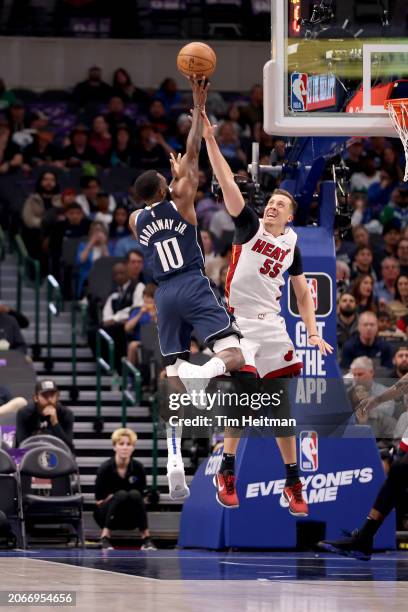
(312, 284)
(309, 454)
(299, 83)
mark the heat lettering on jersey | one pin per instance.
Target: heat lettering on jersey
(273, 265)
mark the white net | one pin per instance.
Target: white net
(398, 110)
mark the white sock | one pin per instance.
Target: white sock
(214, 367)
(174, 434)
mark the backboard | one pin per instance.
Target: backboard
(333, 66)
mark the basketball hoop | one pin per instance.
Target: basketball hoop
(398, 111)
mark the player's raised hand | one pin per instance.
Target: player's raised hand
(208, 130)
(324, 347)
(175, 165)
(200, 89)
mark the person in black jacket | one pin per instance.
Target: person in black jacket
(119, 489)
(10, 334)
(22, 321)
(45, 415)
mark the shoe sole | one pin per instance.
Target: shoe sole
(291, 511)
(351, 554)
(218, 499)
(178, 490)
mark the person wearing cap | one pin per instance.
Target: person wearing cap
(45, 415)
(396, 210)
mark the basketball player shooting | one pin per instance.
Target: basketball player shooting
(166, 229)
(263, 250)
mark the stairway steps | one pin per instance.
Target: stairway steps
(106, 444)
(95, 462)
(110, 427)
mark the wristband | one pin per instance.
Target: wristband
(313, 336)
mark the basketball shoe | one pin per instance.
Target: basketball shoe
(293, 495)
(226, 490)
(178, 488)
(351, 546)
(192, 378)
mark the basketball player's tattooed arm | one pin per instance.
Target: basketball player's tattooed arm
(185, 170)
(397, 390)
(233, 199)
(307, 312)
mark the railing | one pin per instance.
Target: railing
(129, 398)
(54, 306)
(106, 366)
(154, 497)
(28, 270)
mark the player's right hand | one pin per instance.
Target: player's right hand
(208, 130)
(175, 165)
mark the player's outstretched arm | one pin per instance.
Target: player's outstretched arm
(307, 312)
(397, 390)
(233, 199)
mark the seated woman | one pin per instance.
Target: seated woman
(399, 306)
(362, 290)
(88, 252)
(119, 488)
(146, 313)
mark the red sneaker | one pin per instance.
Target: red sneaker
(226, 491)
(294, 496)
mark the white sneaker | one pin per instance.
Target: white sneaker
(178, 488)
(192, 378)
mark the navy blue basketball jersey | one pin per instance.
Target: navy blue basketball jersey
(170, 244)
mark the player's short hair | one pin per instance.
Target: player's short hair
(121, 432)
(147, 185)
(288, 195)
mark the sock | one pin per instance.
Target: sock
(369, 529)
(214, 367)
(292, 474)
(174, 434)
(227, 463)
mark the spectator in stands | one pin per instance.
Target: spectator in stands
(79, 152)
(242, 128)
(10, 155)
(379, 194)
(396, 210)
(252, 112)
(116, 116)
(47, 195)
(45, 415)
(366, 343)
(344, 248)
(11, 338)
(93, 90)
(230, 146)
(120, 488)
(88, 252)
(387, 328)
(100, 140)
(347, 318)
(55, 214)
(367, 176)
(179, 139)
(158, 118)
(402, 255)
(119, 227)
(399, 306)
(127, 296)
(22, 320)
(391, 164)
(102, 213)
(342, 277)
(90, 187)
(354, 154)
(168, 94)
(213, 262)
(151, 151)
(42, 150)
(361, 236)
(17, 117)
(74, 225)
(363, 263)
(124, 245)
(362, 290)
(362, 370)
(222, 281)
(122, 152)
(139, 316)
(221, 223)
(391, 237)
(400, 363)
(125, 89)
(385, 288)
(7, 97)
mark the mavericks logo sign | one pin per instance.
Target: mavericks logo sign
(317, 488)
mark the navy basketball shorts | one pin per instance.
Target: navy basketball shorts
(187, 303)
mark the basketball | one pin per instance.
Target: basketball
(196, 58)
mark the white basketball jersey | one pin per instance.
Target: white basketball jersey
(255, 274)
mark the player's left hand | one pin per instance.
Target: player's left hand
(324, 347)
(200, 88)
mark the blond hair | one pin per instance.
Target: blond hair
(121, 432)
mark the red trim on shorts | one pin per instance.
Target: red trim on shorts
(248, 368)
(236, 252)
(294, 369)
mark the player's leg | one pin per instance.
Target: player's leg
(360, 543)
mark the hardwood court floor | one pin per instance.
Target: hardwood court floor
(199, 581)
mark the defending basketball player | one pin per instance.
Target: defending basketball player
(263, 249)
(166, 229)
